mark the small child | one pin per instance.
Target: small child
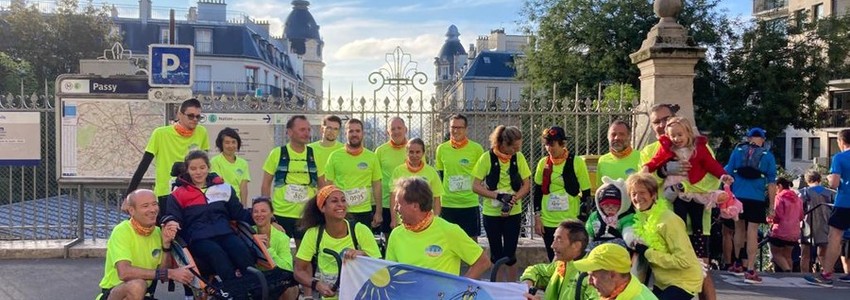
(613, 219)
(785, 224)
(680, 143)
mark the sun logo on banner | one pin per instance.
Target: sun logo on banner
(384, 283)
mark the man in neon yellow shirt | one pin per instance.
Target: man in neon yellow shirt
(621, 161)
(414, 166)
(292, 169)
(356, 171)
(455, 160)
(169, 144)
(328, 144)
(608, 267)
(137, 251)
(560, 277)
(428, 241)
(391, 155)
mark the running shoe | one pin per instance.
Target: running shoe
(736, 270)
(845, 278)
(819, 279)
(752, 277)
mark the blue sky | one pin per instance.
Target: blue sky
(357, 33)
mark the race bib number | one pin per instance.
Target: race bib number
(326, 278)
(296, 193)
(460, 183)
(355, 196)
(558, 202)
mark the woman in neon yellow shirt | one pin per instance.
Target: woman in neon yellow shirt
(277, 244)
(502, 178)
(233, 169)
(415, 166)
(325, 226)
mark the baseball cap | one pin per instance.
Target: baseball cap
(555, 133)
(756, 132)
(609, 195)
(608, 257)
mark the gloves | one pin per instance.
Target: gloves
(641, 249)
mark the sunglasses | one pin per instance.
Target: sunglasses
(193, 116)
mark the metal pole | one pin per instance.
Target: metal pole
(171, 27)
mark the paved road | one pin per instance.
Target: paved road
(78, 279)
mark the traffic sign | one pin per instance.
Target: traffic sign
(171, 65)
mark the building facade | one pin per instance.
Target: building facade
(235, 55)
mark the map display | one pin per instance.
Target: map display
(103, 138)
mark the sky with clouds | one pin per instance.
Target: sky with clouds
(358, 33)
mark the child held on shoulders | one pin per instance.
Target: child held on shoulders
(692, 193)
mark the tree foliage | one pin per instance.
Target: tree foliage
(54, 42)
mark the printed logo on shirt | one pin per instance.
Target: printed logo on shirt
(155, 253)
(362, 165)
(630, 171)
(433, 251)
(239, 172)
(464, 162)
(194, 147)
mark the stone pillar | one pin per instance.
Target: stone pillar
(666, 60)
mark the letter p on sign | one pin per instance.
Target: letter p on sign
(171, 65)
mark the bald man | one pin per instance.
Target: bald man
(391, 155)
(136, 253)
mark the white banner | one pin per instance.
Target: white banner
(20, 138)
(369, 278)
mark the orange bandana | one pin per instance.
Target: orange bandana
(353, 152)
(324, 193)
(461, 144)
(413, 169)
(183, 131)
(561, 159)
(139, 229)
(621, 154)
(617, 291)
(504, 158)
(562, 268)
(422, 225)
(397, 146)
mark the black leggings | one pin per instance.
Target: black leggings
(503, 236)
(685, 209)
(222, 255)
(548, 238)
(672, 293)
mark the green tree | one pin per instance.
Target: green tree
(14, 73)
(54, 42)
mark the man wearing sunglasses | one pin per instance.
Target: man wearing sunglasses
(169, 144)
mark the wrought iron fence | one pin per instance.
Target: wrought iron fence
(34, 206)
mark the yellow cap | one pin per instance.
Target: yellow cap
(608, 257)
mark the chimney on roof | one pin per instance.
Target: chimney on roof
(212, 11)
(145, 10)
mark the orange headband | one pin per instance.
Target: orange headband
(323, 194)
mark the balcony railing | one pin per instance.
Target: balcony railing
(762, 6)
(236, 88)
(836, 118)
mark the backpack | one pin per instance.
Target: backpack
(751, 161)
(492, 178)
(283, 167)
(351, 232)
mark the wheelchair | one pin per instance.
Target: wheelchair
(259, 282)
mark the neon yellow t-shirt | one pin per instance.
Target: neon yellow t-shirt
(328, 270)
(288, 199)
(442, 246)
(321, 153)
(389, 158)
(143, 252)
(617, 168)
(168, 147)
(354, 176)
(558, 205)
(457, 166)
(232, 173)
(428, 173)
(279, 249)
(493, 207)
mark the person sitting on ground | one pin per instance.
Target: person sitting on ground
(277, 243)
(137, 251)
(614, 217)
(559, 278)
(325, 227)
(422, 230)
(815, 230)
(202, 206)
(608, 267)
(663, 240)
(785, 225)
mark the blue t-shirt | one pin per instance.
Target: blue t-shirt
(841, 166)
(746, 188)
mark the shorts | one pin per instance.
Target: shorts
(290, 225)
(845, 249)
(386, 214)
(840, 218)
(755, 211)
(728, 223)
(468, 218)
(780, 242)
(365, 218)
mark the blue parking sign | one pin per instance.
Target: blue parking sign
(171, 65)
